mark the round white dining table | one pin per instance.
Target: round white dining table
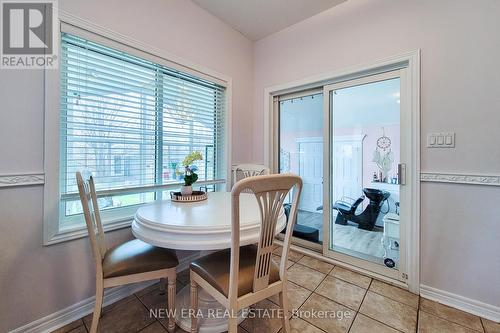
(203, 225)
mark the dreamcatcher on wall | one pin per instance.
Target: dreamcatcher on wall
(383, 156)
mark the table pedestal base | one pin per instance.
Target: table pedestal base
(213, 320)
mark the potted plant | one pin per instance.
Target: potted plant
(190, 176)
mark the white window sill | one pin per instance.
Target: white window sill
(81, 231)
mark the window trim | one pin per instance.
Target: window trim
(52, 233)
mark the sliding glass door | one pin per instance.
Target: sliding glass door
(364, 172)
(345, 141)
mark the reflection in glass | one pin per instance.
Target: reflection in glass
(301, 153)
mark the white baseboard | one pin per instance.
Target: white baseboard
(79, 310)
(478, 308)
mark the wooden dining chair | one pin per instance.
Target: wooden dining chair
(239, 277)
(243, 171)
(130, 262)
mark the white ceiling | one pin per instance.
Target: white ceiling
(257, 19)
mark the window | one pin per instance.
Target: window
(130, 122)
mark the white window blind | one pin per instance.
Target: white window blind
(131, 122)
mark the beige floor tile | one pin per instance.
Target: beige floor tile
(156, 302)
(277, 250)
(155, 286)
(297, 295)
(490, 326)
(451, 314)
(305, 276)
(73, 326)
(277, 260)
(364, 324)
(148, 289)
(295, 256)
(122, 302)
(298, 325)
(264, 320)
(242, 330)
(80, 329)
(395, 293)
(155, 299)
(155, 327)
(316, 264)
(292, 255)
(336, 318)
(389, 312)
(341, 292)
(130, 316)
(178, 329)
(352, 277)
(429, 323)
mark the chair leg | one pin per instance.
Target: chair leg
(194, 306)
(232, 324)
(285, 319)
(99, 291)
(171, 303)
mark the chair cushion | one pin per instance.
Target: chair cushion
(214, 268)
(134, 257)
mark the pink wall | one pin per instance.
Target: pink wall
(459, 92)
(36, 281)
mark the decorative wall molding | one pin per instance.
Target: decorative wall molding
(38, 178)
(78, 310)
(23, 179)
(469, 305)
(460, 178)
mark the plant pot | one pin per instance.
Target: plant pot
(186, 190)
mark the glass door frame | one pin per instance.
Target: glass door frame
(401, 273)
(277, 105)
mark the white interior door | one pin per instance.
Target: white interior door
(311, 170)
(347, 167)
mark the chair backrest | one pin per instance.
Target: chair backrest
(88, 197)
(243, 171)
(270, 192)
(356, 203)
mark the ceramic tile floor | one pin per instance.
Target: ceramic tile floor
(360, 304)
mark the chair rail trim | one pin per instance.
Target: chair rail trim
(22, 179)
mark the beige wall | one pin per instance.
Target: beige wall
(459, 92)
(36, 281)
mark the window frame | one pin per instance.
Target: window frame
(52, 231)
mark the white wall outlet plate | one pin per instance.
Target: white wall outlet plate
(441, 140)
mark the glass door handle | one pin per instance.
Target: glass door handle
(402, 174)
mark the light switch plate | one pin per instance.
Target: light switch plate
(441, 140)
